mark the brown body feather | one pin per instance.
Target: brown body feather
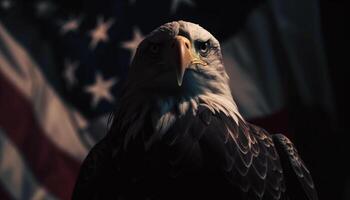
(202, 156)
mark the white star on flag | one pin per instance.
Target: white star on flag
(101, 89)
(68, 74)
(99, 34)
(6, 4)
(175, 4)
(132, 44)
(44, 8)
(72, 24)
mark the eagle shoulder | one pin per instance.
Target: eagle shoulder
(243, 154)
(299, 181)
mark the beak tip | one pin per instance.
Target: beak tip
(179, 81)
(179, 77)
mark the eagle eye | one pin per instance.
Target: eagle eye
(203, 47)
(154, 48)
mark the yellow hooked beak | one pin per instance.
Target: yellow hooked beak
(181, 48)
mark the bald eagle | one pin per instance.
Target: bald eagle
(177, 132)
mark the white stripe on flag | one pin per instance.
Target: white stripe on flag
(276, 46)
(251, 63)
(60, 124)
(15, 177)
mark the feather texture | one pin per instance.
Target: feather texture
(199, 149)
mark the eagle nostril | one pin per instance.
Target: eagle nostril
(187, 45)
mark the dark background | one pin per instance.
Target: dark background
(329, 151)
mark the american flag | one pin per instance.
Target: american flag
(62, 64)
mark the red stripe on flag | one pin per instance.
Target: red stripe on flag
(4, 195)
(53, 168)
(276, 122)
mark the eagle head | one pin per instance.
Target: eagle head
(180, 64)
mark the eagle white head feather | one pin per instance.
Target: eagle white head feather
(177, 68)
